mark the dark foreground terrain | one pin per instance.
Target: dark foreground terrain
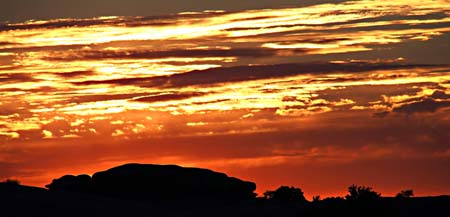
(155, 190)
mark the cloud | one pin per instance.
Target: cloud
(142, 54)
(425, 105)
(11, 107)
(42, 89)
(57, 23)
(104, 97)
(73, 74)
(16, 77)
(394, 18)
(22, 48)
(65, 23)
(246, 73)
(169, 97)
(3, 43)
(367, 95)
(438, 94)
(129, 21)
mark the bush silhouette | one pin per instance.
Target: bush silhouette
(361, 193)
(285, 194)
(405, 194)
(316, 198)
(11, 182)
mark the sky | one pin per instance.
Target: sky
(22, 10)
(314, 94)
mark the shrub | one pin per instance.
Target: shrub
(361, 193)
(405, 194)
(286, 194)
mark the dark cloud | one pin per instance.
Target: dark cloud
(96, 55)
(392, 26)
(41, 48)
(141, 97)
(127, 21)
(16, 77)
(55, 24)
(396, 17)
(211, 102)
(426, 105)
(169, 97)
(331, 80)
(348, 24)
(439, 94)
(364, 94)
(395, 26)
(75, 73)
(380, 114)
(245, 73)
(103, 97)
(20, 10)
(3, 43)
(253, 18)
(12, 89)
(43, 89)
(294, 138)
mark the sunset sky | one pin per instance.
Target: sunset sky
(315, 94)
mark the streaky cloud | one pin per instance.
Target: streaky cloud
(168, 97)
(246, 73)
(142, 54)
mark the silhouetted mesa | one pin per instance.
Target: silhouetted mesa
(173, 191)
(156, 182)
(80, 183)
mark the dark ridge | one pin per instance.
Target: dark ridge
(173, 191)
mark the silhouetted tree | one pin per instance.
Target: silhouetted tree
(405, 194)
(361, 193)
(11, 182)
(316, 198)
(285, 194)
